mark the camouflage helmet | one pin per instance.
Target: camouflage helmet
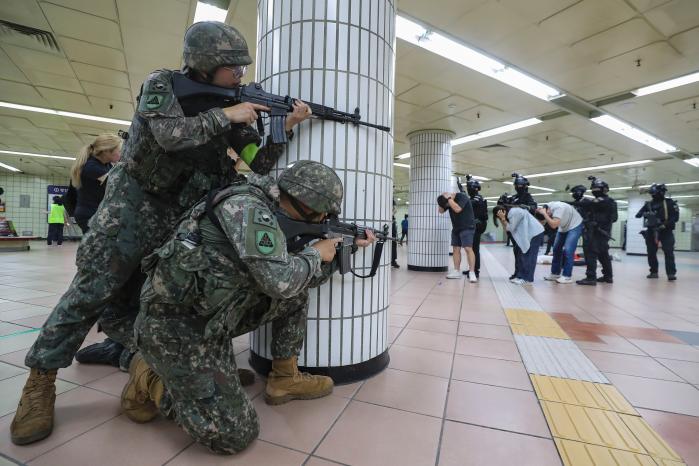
(210, 44)
(314, 184)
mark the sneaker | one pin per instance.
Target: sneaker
(652, 275)
(552, 277)
(473, 279)
(517, 281)
(563, 279)
(526, 283)
(454, 274)
(395, 265)
(512, 277)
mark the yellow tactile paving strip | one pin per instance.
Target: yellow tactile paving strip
(581, 393)
(584, 454)
(592, 423)
(534, 323)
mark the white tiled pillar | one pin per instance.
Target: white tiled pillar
(338, 53)
(635, 244)
(430, 176)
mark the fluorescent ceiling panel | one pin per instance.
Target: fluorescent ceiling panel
(694, 161)
(636, 134)
(403, 165)
(10, 167)
(206, 12)
(584, 169)
(30, 154)
(534, 187)
(455, 51)
(495, 131)
(669, 84)
(81, 116)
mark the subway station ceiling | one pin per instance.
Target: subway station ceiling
(90, 57)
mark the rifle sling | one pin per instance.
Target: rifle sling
(374, 262)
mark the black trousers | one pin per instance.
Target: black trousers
(596, 248)
(403, 235)
(55, 233)
(517, 252)
(667, 241)
(394, 252)
(477, 250)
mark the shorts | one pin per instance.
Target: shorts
(463, 238)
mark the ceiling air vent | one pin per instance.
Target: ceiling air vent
(494, 147)
(44, 38)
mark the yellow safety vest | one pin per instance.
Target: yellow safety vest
(57, 214)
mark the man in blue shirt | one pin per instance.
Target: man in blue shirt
(404, 229)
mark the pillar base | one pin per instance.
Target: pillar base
(339, 374)
(418, 268)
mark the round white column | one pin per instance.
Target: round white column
(430, 176)
(338, 53)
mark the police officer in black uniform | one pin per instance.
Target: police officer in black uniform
(659, 217)
(522, 198)
(480, 212)
(598, 216)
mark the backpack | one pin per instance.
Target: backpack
(70, 200)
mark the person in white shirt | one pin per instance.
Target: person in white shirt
(563, 216)
(528, 234)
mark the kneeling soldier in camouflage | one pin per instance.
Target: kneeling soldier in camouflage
(226, 272)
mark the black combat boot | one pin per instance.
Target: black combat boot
(672, 278)
(108, 352)
(652, 275)
(587, 281)
(605, 280)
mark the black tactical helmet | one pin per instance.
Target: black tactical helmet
(598, 184)
(504, 199)
(314, 184)
(521, 183)
(472, 186)
(657, 189)
(210, 44)
(578, 191)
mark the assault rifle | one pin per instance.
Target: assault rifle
(210, 96)
(299, 233)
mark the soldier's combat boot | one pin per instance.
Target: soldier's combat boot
(286, 383)
(142, 394)
(33, 420)
(108, 352)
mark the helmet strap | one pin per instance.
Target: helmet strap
(299, 208)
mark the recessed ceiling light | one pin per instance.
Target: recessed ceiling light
(10, 167)
(450, 49)
(630, 132)
(30, 154)
(206, 12)
(669, 84)
(594, 168)
(50, 111)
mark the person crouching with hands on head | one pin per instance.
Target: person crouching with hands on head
(463, 229)
(528, 232)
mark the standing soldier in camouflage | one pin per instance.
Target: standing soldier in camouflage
(225, 272)
(169, 162)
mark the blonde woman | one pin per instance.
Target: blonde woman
(89, 175)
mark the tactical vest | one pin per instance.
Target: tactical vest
(186, 175)
(198, 270)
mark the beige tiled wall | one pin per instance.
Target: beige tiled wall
(31, 219)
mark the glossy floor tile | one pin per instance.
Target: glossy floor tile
(455, 391)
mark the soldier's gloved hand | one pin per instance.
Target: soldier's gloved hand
(244, 113)
(370, 238)
(327, 248)
(661, 227)
(301, 112)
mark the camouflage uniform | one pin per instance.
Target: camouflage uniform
(201, 294)
(169, 162)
